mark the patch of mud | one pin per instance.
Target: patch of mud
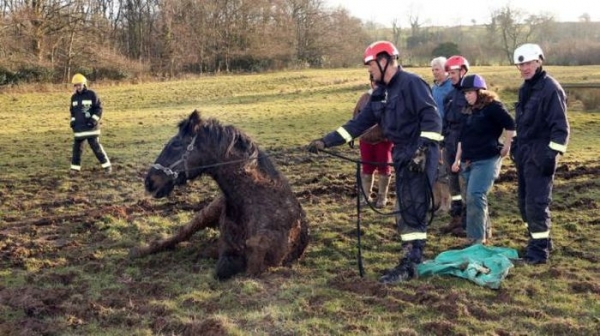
(563, 171)
(208, 326)
(589, 256)
(351, 281)
(440, 328)
(561, 327)
(585, 287)
(531, 313)
(36, 305)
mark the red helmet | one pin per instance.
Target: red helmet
(457, 63)
(379, 47)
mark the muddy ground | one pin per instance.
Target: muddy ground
(41, 223)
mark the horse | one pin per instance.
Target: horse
(261, 223)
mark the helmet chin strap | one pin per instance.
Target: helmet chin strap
(382, 80)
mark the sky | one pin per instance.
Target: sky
(461, 12)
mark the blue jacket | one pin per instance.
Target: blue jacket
(454, 105)
(541, 114)
(440, 91)
(406, 112)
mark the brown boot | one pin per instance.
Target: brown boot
(367, 185)
(384, 187)
(454, 227)
(441, 197)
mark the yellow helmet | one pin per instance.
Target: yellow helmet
(78, 79)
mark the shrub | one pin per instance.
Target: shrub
(34, 74)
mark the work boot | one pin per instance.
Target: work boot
(108, 170)
(367, 186)
(73, 172)
(405, 271)
(407, 268)
(455, 227)
(384, 186)
(538, 251)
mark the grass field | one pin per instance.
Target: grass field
(64, 240)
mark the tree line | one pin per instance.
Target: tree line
(49, 40)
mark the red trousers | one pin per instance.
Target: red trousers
(379, 152)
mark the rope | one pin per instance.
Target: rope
(402, 204)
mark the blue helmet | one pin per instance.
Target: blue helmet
(473, 82)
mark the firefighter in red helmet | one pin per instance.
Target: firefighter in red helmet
(404, 107)
(457, 67)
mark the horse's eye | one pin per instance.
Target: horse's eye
(176, 144)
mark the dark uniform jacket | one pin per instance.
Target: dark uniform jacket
(541, 115)
(481, 130)
(406, 112)
(86, 111)
(454, 105)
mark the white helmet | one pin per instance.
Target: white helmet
(528, 52)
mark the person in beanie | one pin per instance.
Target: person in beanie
(479, 154)
(403, 106)
(86, 112)
(542, 137)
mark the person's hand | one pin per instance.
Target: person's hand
(419, 160)
(315, 146)
(351, 144)
(456, 166)
(549, 163)
(92, 122)
(72, 123)
(504, 151)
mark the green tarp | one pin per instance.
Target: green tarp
(484, 265)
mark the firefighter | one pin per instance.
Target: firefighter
(542, 136)
(86, 112)
(454, 104)
(404, 107)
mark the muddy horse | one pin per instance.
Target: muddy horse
(261, 223)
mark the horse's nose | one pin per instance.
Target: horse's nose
(148, 184)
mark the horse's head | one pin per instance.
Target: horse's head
(171, 166)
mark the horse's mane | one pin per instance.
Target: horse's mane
(232, 143)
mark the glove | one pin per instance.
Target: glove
(419, 160)
(72, 123)
(92, 122)
(549, 163)
(351, 144)
(315, 146)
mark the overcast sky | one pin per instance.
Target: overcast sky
(461, 12)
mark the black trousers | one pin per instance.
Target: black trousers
(535, 194)
(97, 148)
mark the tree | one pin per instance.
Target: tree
(514, 28)
(446, 49)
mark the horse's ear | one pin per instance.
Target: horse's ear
(195, 117)
(195, 120)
